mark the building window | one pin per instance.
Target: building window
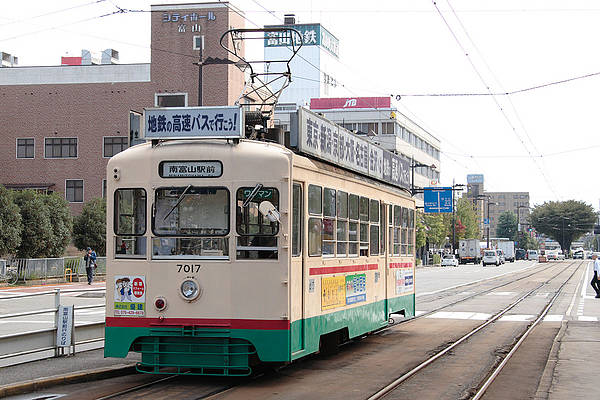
(74, 190)
(103, 188)
(60, 148)
(368, 128)
(170, 99)
(25, 148)
(387, 128)
(114, 145)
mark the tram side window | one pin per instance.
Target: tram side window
(353, 225)
(342, 224)
(296, 220)
(329, 231)
(314, 236)
(191, 222)
(382, 228)
(315, 225)
(257, 235)
(374, 227)
(130, 223)
(364, 226)
(397, 230)
(404, 236)
(411, 232)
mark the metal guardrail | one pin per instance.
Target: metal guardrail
(16, 345)
(65, 268)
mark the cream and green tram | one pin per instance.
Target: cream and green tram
(222, 255)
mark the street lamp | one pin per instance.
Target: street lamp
(414, 164)
(490, 203)
(454, 188)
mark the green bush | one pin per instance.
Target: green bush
(11, 227)
(437, 259)
(37, 235)
(89, 227)
(61, 222)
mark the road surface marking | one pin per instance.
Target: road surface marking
(584, 318)
(501, 294)
(570, 309)
(553, 318)
(518, 317)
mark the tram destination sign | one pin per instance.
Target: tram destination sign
(321, 138)
(190, 169)
(193, 122)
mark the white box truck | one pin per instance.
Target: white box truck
(508, 247)
(469, 251)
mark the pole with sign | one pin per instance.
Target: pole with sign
(64, 329)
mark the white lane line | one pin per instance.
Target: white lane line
(477, 281)
(570, 309)
(417, 313)
(459, 315)
(518, 317)
(584, 318)
(501, 294)
(553, 318)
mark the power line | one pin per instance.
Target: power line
(52, 13)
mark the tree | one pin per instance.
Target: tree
(10, 223)
(467, 225)
(525, 241)
(507, 226)
(36, 236)
(421, 231)
(563, 221)
(89, 227)
(61, 222)
(436, 229)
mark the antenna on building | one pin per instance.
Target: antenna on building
(262, 89)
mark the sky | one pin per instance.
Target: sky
(451, 62)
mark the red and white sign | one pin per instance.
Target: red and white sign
(350, 102)
(138, 287)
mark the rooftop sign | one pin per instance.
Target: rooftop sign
(312, 35)
(193, 122)
(350, 102)
(317, 136)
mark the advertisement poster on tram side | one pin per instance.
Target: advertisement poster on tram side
(404, 281)
(356, 288)
(130, 295)
(333, 292)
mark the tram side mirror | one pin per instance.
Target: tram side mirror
(267, 209)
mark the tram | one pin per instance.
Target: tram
(223, 254)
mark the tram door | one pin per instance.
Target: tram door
(298, 270)
(384, 254)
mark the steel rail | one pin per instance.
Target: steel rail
(501, 366)
(394, 384)
(136, 388)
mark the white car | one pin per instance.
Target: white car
(449, 261)
(490, 257)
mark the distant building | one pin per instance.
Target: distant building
(515, 202)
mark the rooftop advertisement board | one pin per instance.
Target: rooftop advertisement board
(193, 122)
(317, 136)
(350, 102)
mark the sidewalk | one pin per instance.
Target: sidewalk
(84, 366)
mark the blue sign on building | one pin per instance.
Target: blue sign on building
(438, 199)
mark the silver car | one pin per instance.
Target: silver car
(490, 257)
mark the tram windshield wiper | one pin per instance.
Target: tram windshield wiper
(252, 194)
(179, 199)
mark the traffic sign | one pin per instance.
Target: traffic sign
(486, 221)
(437, 199)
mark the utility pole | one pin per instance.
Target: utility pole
(490, 203)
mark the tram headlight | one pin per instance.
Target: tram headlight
(190, 290)
(160, 303)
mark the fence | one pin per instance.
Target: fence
(37, 344)
(65, 268)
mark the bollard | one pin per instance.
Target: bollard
(70, 274)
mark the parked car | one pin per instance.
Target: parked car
(560, 255)
(501, 256)
(490, 257)
(578, 255)
(552, 254)
(520, 254)
(449, 261)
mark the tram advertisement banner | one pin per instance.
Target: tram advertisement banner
(404, 280)
(130, 295)
(333, 292)
(193, 122)
(323, 139)
(356, 288)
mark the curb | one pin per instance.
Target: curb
(73, 377)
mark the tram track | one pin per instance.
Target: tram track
(498, 367)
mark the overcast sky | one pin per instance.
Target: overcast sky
(544, 140)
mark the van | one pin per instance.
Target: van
(532, 255)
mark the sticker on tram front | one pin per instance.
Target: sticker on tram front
(130, 295)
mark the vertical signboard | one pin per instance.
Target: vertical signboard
(64, 329)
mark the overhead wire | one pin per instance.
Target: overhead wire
(16, 21)
(498, 105)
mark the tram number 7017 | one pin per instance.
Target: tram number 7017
(188, 268)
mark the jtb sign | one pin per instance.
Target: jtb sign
(193, 122)
(437, 200)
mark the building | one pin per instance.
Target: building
(316, 69)
(60, 124)
(515, 202)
